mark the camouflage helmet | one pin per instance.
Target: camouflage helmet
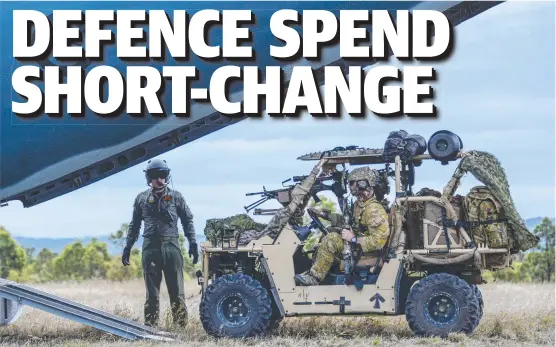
(364, 174)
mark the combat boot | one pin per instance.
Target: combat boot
(306, 279)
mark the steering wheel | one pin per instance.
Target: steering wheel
(316, 222)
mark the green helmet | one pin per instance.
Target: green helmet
(364, 174)
(157, 168)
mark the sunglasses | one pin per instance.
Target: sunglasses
(360, 184)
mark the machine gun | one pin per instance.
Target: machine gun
(346, 208)
(283, 195)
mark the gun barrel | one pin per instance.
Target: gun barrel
(265, 212)
(299, 178)
(318, 179)
(255, 204)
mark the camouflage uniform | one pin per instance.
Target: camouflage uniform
(371, 228)
(161, 251)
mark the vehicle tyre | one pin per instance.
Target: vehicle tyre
(440, 304)
(274, 325)
(275, 319)
(479, 296)
(236, 306)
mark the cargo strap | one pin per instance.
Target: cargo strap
(466, 225)
(462, 223)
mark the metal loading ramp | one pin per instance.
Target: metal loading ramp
(15, 295)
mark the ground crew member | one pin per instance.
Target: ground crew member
(370, 228)
(160, 207)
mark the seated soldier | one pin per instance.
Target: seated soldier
(370, 228)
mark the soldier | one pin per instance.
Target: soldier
(160, 207)
(370, 232)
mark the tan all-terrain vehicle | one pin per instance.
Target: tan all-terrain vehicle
(429, 270)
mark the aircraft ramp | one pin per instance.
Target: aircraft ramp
(15, 295)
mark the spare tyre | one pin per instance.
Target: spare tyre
(444, 146)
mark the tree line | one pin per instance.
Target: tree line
(78, 261)
(535, 265)
(75, 262)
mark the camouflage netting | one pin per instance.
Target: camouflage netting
(228, 227)
(218, 229)
(486, 168)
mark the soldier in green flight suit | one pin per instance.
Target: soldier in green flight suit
(160, 208)
(370, 229)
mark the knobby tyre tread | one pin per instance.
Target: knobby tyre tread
(479, 296)
(468, 303)
(259, 299)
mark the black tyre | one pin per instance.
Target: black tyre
(441, 304)
(479, 296)
(274, 325)
(236, 306)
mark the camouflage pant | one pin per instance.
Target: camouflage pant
(330, 250)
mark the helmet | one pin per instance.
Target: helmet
(157, 168)
(364, 174)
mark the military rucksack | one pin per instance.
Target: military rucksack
(485, 216)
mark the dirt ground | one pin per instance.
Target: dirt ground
(515, 315)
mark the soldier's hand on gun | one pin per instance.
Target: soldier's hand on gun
(125, 256)
(193, 252)
(315, 211)
(320, 213)
(347, 234)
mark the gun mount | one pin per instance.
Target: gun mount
(283, 196)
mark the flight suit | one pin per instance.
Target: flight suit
(371, 228)
(161, 251)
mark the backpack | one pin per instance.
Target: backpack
(224, 229)
(404, 145)
(485, 218)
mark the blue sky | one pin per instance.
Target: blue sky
(496, 92)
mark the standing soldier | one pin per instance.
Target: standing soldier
(160, 207)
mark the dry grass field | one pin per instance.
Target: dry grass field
(515, 315)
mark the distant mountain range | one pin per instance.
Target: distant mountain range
(56, 245)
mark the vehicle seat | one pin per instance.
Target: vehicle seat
(364, 269)
(367, 262)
